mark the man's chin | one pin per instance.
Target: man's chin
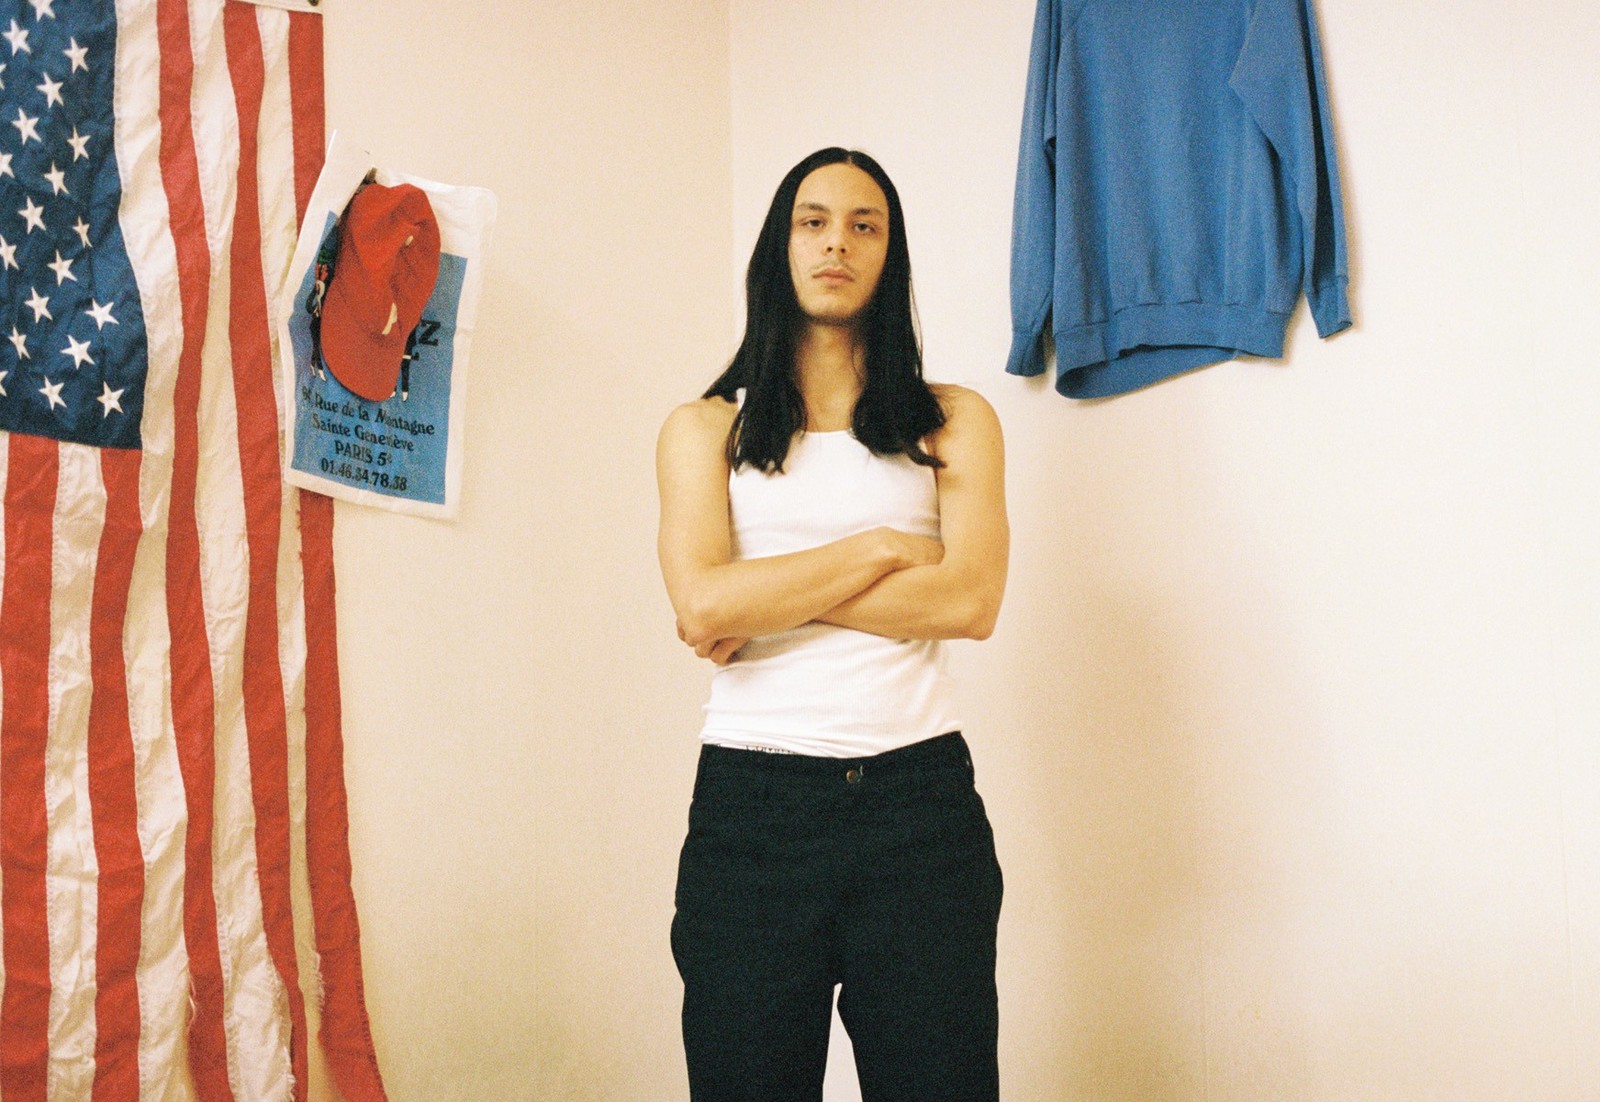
(835, 318)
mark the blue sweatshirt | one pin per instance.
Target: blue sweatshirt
(1177, 189)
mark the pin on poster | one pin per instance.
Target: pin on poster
(292, 5)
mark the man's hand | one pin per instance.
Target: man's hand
(720, 651)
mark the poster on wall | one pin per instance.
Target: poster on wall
(375, 327)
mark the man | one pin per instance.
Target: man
(827, 519)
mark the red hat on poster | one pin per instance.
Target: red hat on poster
(387, 264)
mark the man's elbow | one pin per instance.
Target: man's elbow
(974, 601)
(979, 617)
(699, 622)
(982, 626)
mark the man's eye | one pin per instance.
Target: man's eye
(866, 227)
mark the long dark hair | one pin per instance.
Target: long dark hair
(896, 409)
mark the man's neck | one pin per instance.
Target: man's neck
(828, 370)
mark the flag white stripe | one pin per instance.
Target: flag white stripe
(163, 972)
(292, 648)
(279, 222)
(255, 1004)
(72, 865)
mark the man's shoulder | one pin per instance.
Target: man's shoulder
(702, 417)
(962, 403)
(971, 426)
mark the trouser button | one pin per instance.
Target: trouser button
(854, 775)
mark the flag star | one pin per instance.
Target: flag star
(2, 76)
(62, 268)
(81, 228)
(58, 180)
(5, 166)
(52, 392)
(27, 125)
(79, 351)
(108, 398)
(42, 9)
(40, 306)
(52, 91)
(3, 375)
(101, 314)
(33, 214)
(19, 341)
(8, 253)
(80, 145)
(77, 53)
(18, 39)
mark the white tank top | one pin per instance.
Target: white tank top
(819, 689)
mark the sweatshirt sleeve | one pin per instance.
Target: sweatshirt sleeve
(1033, 223)
(1279, 76)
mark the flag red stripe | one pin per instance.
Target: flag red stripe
(112, 794)
(266, 720)
(193, 704)
(306, 100)
(346, 1033)
(33, 467)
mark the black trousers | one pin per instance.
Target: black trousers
(877, 874)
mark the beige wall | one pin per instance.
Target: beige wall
(1289, 728)
(519, 719)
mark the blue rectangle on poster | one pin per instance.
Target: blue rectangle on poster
(397, 447)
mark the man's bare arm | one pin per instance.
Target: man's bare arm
(719, 598)
(959, 596)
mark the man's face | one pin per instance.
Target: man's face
(838, 238)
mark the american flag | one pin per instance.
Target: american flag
(174, 862)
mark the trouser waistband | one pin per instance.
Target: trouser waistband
(940, 752)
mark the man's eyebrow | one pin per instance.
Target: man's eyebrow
(859, 210)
